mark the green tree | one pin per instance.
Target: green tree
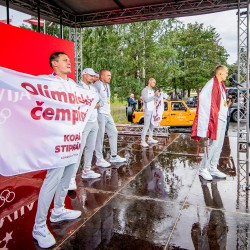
(102, 49)
(177, 56)
(133, 52)
(152, 55)
(198, 52)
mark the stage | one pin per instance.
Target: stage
(155, 201)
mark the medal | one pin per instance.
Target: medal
(223, 94)
(106, 89)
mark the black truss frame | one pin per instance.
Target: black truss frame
(169, 9)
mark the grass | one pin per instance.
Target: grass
(118, 111)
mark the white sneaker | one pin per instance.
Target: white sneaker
(102, 163)
(151, 140)
(117, 159)
(43, 236)
(215, 172)
(65, 214)
(90, 174)
(72, 184)
(205, 174)
(144, 144)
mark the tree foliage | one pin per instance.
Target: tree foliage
(179, 57)
(199, 51)
(133, 52)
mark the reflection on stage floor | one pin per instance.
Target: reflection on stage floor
(156, 200)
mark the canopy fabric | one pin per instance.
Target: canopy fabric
(88, 13)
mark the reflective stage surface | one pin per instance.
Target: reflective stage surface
(155, 201)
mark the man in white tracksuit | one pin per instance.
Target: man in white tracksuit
(57, 180)
(106, 122)
(148, 97)
(211, 121)
(89, 133)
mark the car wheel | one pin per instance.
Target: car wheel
(141, 121)
(235, 116)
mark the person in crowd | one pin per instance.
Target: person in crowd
(149, 97)
(106, 122)
(210, 122)
(140, 102)
(132, 102)
(173, 96)
(57, 180)
(89, 133)
(230, 102)
(242, 101)
(179, 96)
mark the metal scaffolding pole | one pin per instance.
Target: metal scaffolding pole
(75, 35)
(243, 114)
(243, 123)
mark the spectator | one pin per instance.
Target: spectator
(173, 96)
(242, 101)
(132, 101)
(230, 102)
(179, 96)
(140, 102)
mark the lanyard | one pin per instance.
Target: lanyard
(106, 89)
(58, 77)
(223, 95)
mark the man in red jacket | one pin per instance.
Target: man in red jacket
(210, 122)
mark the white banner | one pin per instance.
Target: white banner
(159, 109)
(41, 121)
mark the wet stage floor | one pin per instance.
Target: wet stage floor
(155, 201)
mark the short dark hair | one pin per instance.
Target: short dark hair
(54, 57)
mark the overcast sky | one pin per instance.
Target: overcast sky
(224, 22)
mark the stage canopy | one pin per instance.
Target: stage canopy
(87, 13)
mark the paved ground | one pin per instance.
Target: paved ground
(155, 201)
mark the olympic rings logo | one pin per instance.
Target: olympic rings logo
(4, 115)
(6, 196)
